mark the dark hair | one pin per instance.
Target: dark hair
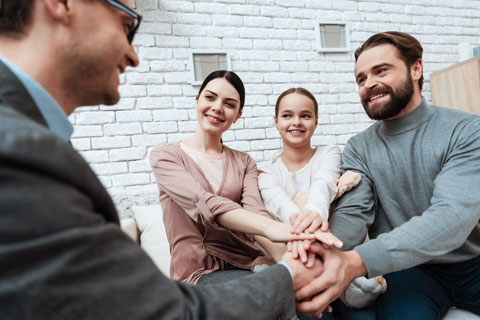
(15, 15)
(232, 78)
(301, 91)
(409, 48)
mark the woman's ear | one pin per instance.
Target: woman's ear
(238, 116)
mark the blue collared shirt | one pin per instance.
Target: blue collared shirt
(288, 268)
(54, 115)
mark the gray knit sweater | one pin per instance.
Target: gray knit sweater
(419, 196)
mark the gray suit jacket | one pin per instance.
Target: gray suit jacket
(63, 255)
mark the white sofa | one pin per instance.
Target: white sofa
(146, 227)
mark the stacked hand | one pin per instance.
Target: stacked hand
(339, 269)
(331, 269)
(310, 222)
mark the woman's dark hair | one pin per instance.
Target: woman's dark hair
(232, 78)
(301, 91)
(15, 15)
(409, 48)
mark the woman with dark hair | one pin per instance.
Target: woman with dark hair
(213, 211)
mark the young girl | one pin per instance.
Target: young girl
(303, 175)
(209, 193)
(300, 185)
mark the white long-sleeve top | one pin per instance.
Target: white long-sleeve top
(319, 176)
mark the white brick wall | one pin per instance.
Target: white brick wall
(272, 48)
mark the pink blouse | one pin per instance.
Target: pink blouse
(198, 245)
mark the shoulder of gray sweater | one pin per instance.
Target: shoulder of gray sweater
(460, 119)
(455, 114)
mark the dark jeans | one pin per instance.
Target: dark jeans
(343, 312)
(426, 292)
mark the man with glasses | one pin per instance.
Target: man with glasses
(62, 254)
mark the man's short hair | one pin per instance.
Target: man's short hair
(409, 48)
(15, 15)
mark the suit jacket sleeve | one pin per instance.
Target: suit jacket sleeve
(63, 256)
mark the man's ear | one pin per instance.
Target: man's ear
(58, 9)
(416, 69)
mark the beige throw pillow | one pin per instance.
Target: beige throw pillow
(153, 238)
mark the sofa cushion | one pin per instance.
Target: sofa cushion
(153, 238)
(129, 226)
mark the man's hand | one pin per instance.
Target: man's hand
(302, 275)
(339, 269)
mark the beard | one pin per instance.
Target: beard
(399, 98)
(89, 78)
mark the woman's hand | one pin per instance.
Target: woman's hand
(277, 231)
(299, 248)
(310, 222)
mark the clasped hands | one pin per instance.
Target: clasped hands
(321, 271)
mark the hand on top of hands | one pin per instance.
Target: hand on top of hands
(307, 220)
(311, 222)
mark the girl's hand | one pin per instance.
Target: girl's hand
(310, 222)
(307, 221)
(299, 249)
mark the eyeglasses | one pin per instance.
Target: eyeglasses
(130, 12)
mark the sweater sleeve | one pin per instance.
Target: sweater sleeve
(323, 188)
(183, 188)
(446, 224)
(274, 195)
(354, 212)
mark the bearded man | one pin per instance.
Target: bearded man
(419, 197)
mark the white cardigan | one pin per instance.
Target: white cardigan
(319, 177)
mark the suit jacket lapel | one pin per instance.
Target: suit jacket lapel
(14, 95)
